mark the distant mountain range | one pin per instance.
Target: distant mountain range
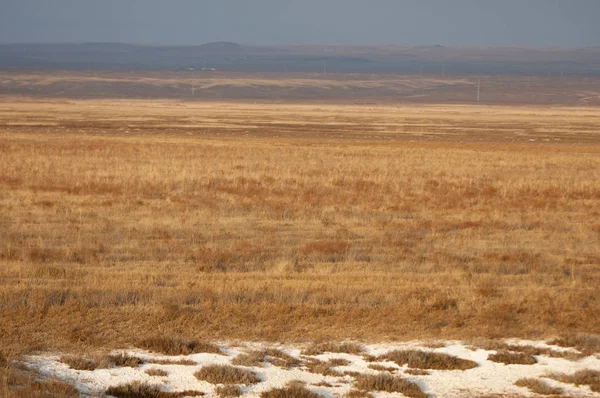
(227, 56)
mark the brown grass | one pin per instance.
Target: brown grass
(225, 374)
(388, 383)
(184, 362)
(325, 367)
(219, 221)
(178, 346)
(142, 390)
(271, 355)
(18, 381)
(512, 358)
(382, 368)
(584, 342)
(538, 386)
(156, 372)
(526, 349)
(428, 360)
(321, 348)
(228, 391)
(586, 377)
(416, 372)
(293, 390)
(101, 362)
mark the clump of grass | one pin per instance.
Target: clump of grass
(388, 383)
(344, 348)
(228, 391)
(184, 362)
(428, 360)
(512, 358)
(272, 355)
(538, 386)
(527, 349)
(382, 368)
(226, 374)
(586, 343)
(586, 377)
(137, 389)
(101, 362)
(292, 390)
(178, 346)
(156, 372)
(48, 388)
(325, 368)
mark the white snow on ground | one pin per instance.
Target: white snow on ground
(486, 379)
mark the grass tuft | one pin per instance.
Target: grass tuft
(225, 374)
(388, 383)
(538, 386)
(428, 360)
(271, 355)
(177, 346)
(344, 348)
(586, 377)
(512, 358)
(229, 391)
(294, 390)
(156, 372)
(101, 362)
(138, 389)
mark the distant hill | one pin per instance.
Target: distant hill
(228, 56)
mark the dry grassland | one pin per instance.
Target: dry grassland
(120, 221)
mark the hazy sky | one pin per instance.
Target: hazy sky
(446, 22)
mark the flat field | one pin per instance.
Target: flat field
(122, 219)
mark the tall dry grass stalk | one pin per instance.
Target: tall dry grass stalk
(113, 235)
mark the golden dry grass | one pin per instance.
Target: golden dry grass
(271, 355)
(228, 391)
(225, 374)
(538, 386)
(586, 377)
(292, 390)
(428, 360)
(303, 222)
(101, 362)
(177, 346)
(512, 358)
(137, 389)
(388, 383)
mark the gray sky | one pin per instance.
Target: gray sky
(416, 22)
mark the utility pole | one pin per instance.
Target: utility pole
(478, 91)
(325, 67)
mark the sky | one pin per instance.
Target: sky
(524, 23)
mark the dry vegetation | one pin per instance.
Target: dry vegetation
(512, 358)
(589, 378)
(101, 362)
(294, 389)
(143, 390)
(124, 220)
(271, 355)
(388, 383)
(156, 372)
(17, 381)
(177, 346)
(321, 348)
(228, 391)
(428, 360)
(225, 374)
(538, 386)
